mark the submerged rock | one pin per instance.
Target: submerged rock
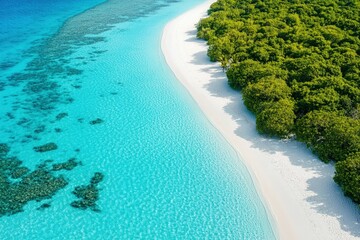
(40, 129)
(10, 115)
(61, 116)
(23, 121)
(46, 147)
(96, 121)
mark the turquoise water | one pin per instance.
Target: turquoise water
(168, 173)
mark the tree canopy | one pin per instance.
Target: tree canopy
(297, 63)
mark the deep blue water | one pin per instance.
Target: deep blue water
(168, 173)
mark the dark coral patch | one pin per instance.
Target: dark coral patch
(19, 172)
(34, 185)
(4, 149)
(46, 147)
(61, 116)
(68, 165)
(96, 121)
(88, 194)
(40, 129)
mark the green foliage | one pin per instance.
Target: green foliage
(297, 62)
(276, 118)
(267, 89)
(250, 71)
(308, 68)
(347, 175)
(331, 136)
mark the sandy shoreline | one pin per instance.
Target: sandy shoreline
(295, 186)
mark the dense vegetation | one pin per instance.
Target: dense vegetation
(297, 63)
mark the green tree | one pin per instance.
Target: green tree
(331, 136)
(295, 61)
(276, 118)
(250, 71)
(347, 175)
(267, 89)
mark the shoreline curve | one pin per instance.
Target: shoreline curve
(296, 188)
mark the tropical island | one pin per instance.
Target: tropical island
(100, 139)
(297, 64)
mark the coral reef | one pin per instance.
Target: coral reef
(46, 147)
(68, 165)
(61, 116)
(88, 194)
(35, 185)
(96, 121)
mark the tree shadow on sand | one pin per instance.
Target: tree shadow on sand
(322, 186)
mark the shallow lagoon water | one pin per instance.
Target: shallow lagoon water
(168, 173)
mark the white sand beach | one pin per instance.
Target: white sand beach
(295, 186)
